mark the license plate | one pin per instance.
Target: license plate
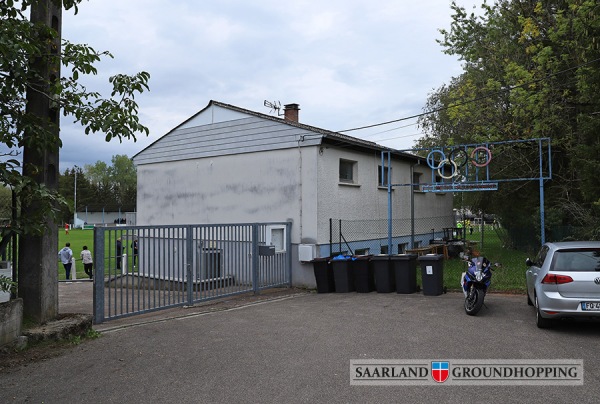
(590, 306)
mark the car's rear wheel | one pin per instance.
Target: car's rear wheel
(540, 321)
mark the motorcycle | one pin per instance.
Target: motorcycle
(475, 283)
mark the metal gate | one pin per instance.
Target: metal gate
(139, 269)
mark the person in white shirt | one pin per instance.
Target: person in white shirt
(66, 256)
(88, 263)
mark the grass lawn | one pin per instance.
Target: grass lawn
(509, 276)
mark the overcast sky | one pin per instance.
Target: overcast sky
(348, 63)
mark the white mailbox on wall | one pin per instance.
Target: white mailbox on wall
(306, 252)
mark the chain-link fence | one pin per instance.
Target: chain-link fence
(373, 236)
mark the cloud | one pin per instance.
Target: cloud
(347, 63)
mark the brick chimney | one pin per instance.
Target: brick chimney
(290, 112)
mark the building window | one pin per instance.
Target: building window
(336, 253)
(348, 171)
(384, 249)
(383, 181)
(361, 251)
(402, 248)
(416, 180)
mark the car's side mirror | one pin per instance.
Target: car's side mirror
(528, 262)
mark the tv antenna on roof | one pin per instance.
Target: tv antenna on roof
(275, 106)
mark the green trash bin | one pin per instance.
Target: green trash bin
(385, 281)
(323, 275)
(405, 271)
(432, 274)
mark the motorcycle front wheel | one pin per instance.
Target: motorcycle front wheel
(474, 301)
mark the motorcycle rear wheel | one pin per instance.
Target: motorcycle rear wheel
(474, 301)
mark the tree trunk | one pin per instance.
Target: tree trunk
(38, 262)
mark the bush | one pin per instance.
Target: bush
(7, 285)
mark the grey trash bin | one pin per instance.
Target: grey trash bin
(432, 274)
(405, 271)
(364, 281)
(323, 275)
(343, 274)
(385, 281)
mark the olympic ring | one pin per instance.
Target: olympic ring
(474, 159)
(461, 155)
(431, 159)
(454, 168)
(458, 158)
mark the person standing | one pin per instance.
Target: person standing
(134, 246)
(67, 229)
(88, 263)
(66, 257)
(119, 252)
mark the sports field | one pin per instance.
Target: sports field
(78, 238)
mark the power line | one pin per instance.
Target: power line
(400, 137)
(390, 130)
(474, 99)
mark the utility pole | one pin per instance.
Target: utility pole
(38, 263)
(75, 199)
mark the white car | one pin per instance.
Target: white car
(563, 281)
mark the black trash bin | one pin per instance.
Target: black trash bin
(364, 280)
(405, 271)
(432, 274)
(343, 274)
(385, 281)
(323, 275)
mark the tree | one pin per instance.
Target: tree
(116, 185)
(124, 176)
(530, 70)
(32, 92)
(100, 187)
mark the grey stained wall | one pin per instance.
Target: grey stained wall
(245, 188)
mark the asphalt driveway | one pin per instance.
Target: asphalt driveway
(298, 349)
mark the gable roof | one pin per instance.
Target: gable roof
(244, 135)
(324, 132)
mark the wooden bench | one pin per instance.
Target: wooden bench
(430, 249)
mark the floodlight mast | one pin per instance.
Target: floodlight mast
(75, 199)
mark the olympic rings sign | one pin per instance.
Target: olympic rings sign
(481, 156)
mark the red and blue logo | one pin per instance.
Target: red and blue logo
(440, 371)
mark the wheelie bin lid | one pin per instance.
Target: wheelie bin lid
(431, 257)
(404, 257)
(380, 257)
(342, 257)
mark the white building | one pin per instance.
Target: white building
(230, 165)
